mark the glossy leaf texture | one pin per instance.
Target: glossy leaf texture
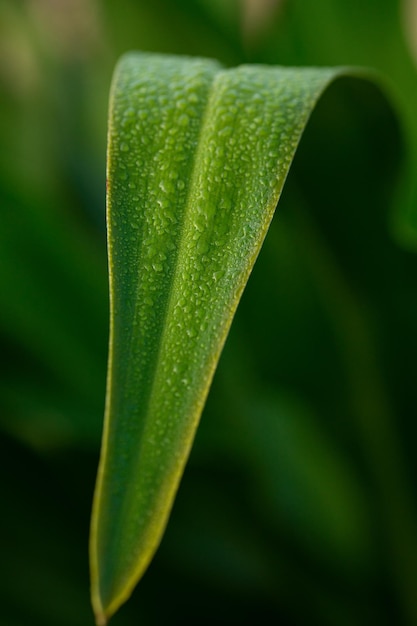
(197, 158)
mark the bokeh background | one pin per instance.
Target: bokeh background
(298, 505)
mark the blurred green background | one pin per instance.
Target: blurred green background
(299, 502)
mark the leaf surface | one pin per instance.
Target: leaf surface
(197, 159)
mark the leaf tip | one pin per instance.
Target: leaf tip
(101, 619)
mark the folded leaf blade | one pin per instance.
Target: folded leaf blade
(197, 160)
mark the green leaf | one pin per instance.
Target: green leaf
(197, 159)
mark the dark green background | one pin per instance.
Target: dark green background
(298, 505)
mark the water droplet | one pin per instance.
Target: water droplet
(218, 275)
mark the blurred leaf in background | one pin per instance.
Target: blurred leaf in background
(298, 505)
